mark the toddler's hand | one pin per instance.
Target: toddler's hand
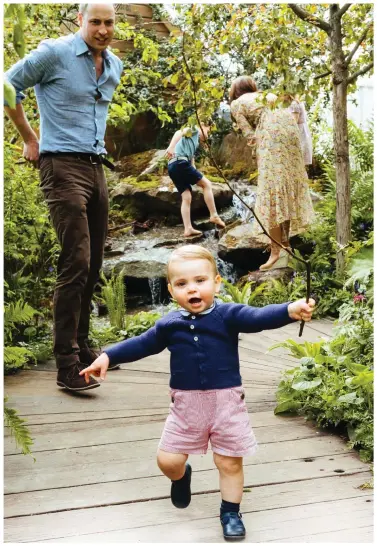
(300, 310)
(98, 368)
(170, 153)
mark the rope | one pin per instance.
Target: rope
(220, 172)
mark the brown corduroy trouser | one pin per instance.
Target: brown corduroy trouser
(76, 193)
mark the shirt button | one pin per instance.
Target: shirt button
(196, 338)
(192, 326)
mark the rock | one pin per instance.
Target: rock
(235, 152)
(154, 163)
(228, 216)
(134, 164)
(284, 274)
(111, 252)
(239, 247)
(165, 199)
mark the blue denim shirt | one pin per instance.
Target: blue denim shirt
(73, 105)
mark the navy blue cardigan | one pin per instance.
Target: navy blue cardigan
(204, 348)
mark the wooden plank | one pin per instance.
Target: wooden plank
(198, 523)
(79, 468)
(115, 492)
(67, 435)
(360, 535)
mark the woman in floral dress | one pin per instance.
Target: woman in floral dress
(283, 204)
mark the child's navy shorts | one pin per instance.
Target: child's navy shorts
(184, 175)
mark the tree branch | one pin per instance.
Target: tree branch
(323, 75)
(312, 19)
(360, 72)
(339, 14)
(356, 47)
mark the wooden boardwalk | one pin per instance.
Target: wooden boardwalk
(95, 478)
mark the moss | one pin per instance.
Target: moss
(216, 179)
(133, 165)
(120, 214)
(144, 182)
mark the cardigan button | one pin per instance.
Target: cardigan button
(193, 317)
(196, 338)
(192, 326)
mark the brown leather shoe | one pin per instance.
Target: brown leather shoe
(69, 378)
(88, 355)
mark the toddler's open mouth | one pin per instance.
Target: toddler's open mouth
(195, 301)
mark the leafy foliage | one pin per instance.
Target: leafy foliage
(333, 383)
(18, 429)
(113, 293)
(16, 314)
(140, 322)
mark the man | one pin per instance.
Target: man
(74, 77)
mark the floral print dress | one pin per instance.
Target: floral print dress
(283, 189)
(304, 131)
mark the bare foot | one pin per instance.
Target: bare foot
(276, 261)
(192, 232)
(217, 220)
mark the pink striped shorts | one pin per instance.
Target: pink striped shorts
(219, 416)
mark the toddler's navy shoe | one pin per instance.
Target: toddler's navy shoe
(181, 490)
(233, 528)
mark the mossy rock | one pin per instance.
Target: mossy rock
(133, 165)
(143, 182)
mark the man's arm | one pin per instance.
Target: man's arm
(19, 120)
(37, 67)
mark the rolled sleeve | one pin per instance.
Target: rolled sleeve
(39, 66)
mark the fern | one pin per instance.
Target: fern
(18, 429)
(17, 313)
(16, 357)
(114, 293)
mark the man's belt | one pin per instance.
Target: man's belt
(94, 159)
(178, 158)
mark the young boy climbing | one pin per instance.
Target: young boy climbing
(207, 398)
(182, 171)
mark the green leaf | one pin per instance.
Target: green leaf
(287, 405)
(10, 94)
(302, 385)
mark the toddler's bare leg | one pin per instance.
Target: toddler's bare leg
(231, 477)
(171, 464)
(174, 466)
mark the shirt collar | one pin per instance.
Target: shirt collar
(82, 47)
(186, 313)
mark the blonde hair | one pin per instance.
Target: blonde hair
(192, 252)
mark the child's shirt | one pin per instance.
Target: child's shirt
(204, 346)
(187, 146)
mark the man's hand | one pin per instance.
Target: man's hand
(31, 151)
(98, 368)
(300, 310)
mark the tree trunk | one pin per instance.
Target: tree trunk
(341, 148)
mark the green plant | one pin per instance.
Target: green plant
(243, 295)
(16, 314)
(113, 293)
(333, 383)
(18, 429)
(139, 323)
